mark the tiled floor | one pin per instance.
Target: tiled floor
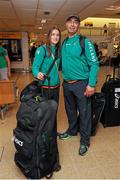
(101, 162)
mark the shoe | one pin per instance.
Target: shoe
(58, 134)
(64, 136)
(83, 150)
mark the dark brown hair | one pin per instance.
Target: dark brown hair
(57, 50)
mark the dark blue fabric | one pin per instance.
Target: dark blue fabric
(54, 93)
(76, 102)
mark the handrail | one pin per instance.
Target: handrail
(98, 31)
(116, 37)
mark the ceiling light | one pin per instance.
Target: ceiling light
(113, 8)
(43, 21)
(40, 27)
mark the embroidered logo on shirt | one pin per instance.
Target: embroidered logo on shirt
(93, 58)
(38, 52)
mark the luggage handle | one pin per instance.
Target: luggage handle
(114, 69)
(108, 77)
(45, 77)
(114, 78)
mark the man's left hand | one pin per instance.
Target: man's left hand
(89, 91)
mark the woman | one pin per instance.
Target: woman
(44, 57)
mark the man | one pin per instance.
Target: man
(32, 52)
(4, 64)
(79, 73)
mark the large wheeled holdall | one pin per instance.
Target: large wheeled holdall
(111, 88)
(35, 136)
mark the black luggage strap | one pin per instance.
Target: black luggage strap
(50, 68)
(46, 76)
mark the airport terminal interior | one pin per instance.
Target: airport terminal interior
(101, 162)
(24, 23)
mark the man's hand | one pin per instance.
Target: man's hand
(89, 91)
(40, 76)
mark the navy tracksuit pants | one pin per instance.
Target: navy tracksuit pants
(76, 102)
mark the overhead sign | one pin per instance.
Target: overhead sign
(10, 35)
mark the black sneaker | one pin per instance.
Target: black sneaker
(83, 150)
(64, 136)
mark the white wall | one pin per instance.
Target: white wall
(24, 64)
(99, 22)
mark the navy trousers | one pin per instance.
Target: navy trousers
(76, 102)
(54, 93)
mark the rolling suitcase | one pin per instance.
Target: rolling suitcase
(98, 104)
(97, 107)
(111, 113)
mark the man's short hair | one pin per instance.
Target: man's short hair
(73, 17)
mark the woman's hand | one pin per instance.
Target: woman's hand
(40, 76)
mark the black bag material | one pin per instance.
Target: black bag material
(111, 114)
(115, 61)
(98, 104)
(35, 138)
(30, 91)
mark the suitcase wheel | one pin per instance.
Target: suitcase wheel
(104, 125)
(93, 133)
(57, 168)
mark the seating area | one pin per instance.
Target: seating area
(7, 95)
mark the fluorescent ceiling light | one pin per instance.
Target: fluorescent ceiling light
(43, 21)
(113, 8)
(40, 27)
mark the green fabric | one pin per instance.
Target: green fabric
(76, 67)
(3, 62)
(41, 56)
(64, 136)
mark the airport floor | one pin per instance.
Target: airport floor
(101, 162)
